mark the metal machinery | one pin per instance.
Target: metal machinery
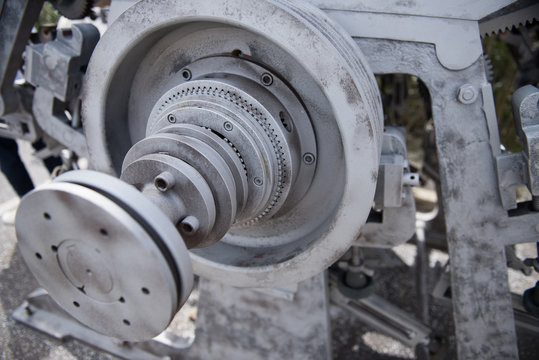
(244, 142)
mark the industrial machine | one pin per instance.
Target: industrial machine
(244, 142)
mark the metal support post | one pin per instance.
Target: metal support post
(473, 210)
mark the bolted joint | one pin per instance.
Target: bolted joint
(467, 94)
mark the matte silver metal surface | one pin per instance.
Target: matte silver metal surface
(337, 90)
(478, 227)
(191, 190)
(146, 214)
(58, 65)
(102, 267)
(526, 114)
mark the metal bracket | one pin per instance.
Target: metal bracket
(393, 199)
(521, 168)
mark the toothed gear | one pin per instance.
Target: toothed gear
(489, 69)
(258, 116)
(74, 9)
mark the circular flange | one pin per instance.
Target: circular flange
(232, 158)
(142, 56)
(244, 121)
(97, 262)
(189, 185)
(209, 164)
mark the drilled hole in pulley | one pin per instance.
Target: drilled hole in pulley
(76, 304)
(127, 322)
(103, 232)
(38, 255)
(46, 215)
(187, 228)
(121, 299)
(54, 248)
(145, 291)
(161, 184)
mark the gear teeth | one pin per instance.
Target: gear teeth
(76, 9)
(489, 69)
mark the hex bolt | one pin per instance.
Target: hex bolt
(308, 158)
(258, 181)
(171, 118)
(266, 79)
(228, 126)
(190, 225)
(467, 94)
(164, 181)
(186, 74)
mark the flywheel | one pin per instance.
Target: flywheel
(246, 137)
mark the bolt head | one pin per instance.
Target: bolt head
(467, 94)
(266, 79)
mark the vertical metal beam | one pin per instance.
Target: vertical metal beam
(482, 306)
(16, 20)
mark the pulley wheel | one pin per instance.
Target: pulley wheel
(278, 68)
(114, 262)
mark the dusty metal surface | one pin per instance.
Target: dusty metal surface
(337, 91)
(482, 305)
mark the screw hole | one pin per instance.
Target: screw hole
(266, 79)
(186, 74)
(171, 118)
(127, 322)
(308, 158)
(46, 215)
(161, 184)
(145, 291)
(76, 304)
(187, 228)
(103, 232)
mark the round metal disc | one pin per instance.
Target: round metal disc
(96, 261)
(147, 214)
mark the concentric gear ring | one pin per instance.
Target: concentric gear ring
(173, 99)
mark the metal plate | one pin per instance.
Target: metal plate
(148, 215)
(96, 261)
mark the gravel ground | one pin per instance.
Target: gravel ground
(394, 280)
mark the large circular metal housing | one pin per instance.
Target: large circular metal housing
(292, 64)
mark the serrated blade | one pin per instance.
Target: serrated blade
(514, 15)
